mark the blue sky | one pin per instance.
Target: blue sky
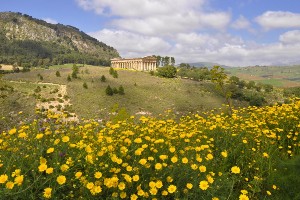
(231, 32)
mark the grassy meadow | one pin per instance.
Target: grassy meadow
(287, 76)
(143, 93)
(252, 154)
(188, 148)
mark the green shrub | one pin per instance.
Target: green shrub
(109, 91)
(167, 71)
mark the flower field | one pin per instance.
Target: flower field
(200, 156)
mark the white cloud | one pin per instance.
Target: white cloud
(140, 8)
(51, 21)
(191, 31)
(232, 51)
(241, 23)
(290, 37)
(132, 45)
(156, 17)
(278, 19)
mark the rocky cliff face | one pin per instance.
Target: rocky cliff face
(19, 27)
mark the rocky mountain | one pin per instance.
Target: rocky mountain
(25, 39)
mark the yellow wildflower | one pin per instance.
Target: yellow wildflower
(203, 185)
(47, 193)
(235, 170)
(61, 179)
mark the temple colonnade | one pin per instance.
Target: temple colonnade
(140, 64)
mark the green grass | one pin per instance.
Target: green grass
(287, 76)
(143, 92)
(15, 107)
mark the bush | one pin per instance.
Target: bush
(256, 100)
(115, 90)
(111, 71)
(103, 78)
(57, 74)
(121, 90)
(167, 71)
(37, 89)
(85, 85)
(109, 91)
(69, 78)
(115, 74)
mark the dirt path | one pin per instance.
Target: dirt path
(59, 104)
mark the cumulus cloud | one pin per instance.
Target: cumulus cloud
(192, 31)
(130, 44)
(232, 51)
(241, 23)
(290, 37)
(140, 8)
(51, 21)
(278, 19)
(156, 17)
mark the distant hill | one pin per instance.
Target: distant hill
(34, 42)
(206, 64)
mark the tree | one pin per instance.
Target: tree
(234, 79)
(103, 78)
(268, 88)
(172, 61)
(57, 73)
(251, 84)
(115, 74)
(85, 85)
(111, 71)
(166, 61)
(75, 71)
(115, 90)
(121, 90)
(219, 77)
(158, 61)
(69, 78)
(167, 71)
(109, 91)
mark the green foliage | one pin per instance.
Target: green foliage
(75, 71)
(45, 53)
(167, 71)
(268, 87)
(287, 179)
(115, 90)
(118, 114)
(219, 77)
(121, 90)
(293, 91)
(113, 72)
(85, 85)
(57, 74)
(109, 91)
(256, 100)
(38, 89)
(198, 74)
(40, 77)
(103, 78)
(69, 78)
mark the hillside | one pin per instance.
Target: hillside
(143, 93)
(34, 42)
(283, 76)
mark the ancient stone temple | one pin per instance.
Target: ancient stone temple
(147, 63)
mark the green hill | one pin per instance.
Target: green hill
(143, 93)
(33, 42)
